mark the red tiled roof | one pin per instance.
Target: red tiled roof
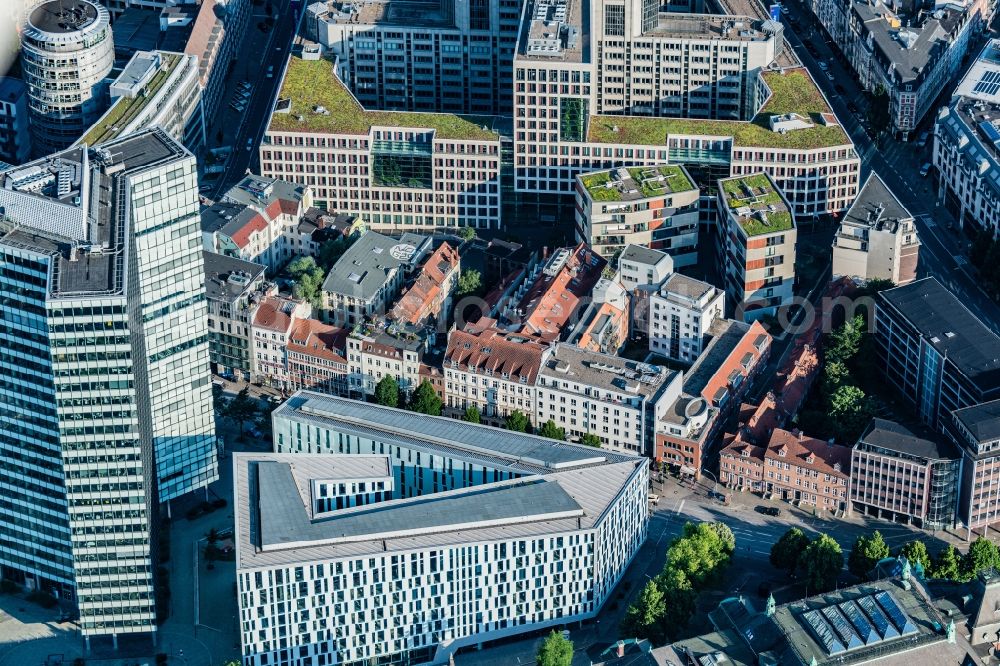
(421, 298)
(816, 454)
(273, 313)
(501, 353)
(312, 337)
(734, 361)
(553, 299)
(242, 235)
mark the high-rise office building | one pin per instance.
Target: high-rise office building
(105, 397)
(67, 52)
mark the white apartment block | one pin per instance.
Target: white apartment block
(912, 54)
(399, 171)
(877, 239)
(757, 236)
(655, 207)
(618, 400)
(638, 265)
(453, 58)
(492, 370)
(644, 89)
(273, 321)
(374, 354)
(967, 145)
(484, 534)
(680, 314)
(155, 88)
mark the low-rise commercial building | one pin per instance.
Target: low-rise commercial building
(877, 239)
(604, 325)
(233, 288)
(272, 325)
(938, 354)
(903, 473)
(317, 358)
(481, 534)
(655, 207)
(492, 370)
(369, 276)
(976, 432)
(618, 400)
(757, 237)
(154, 88)
(399, 171)
(424, 301)
(374, 352)
(791, 467)
(966, 154)
(680, 314)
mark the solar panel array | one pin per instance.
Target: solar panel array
(860, 622)
(989, 83)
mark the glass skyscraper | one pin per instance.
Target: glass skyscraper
(105, 396)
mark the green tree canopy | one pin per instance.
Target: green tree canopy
(308, 280)
(915, 551)
(387, 392)
(787, 550)
(821, 563)
(552, 431)
(332, 250)
(466, 233)
(472, 414)
(982, 555)
(679, 596)
(425, 400)
(879, 115)
(726, 537)
(947, 564)
(241, 409)
(866, 553)
(850, 411)
(517, 421)
(556, 650)
(845, 341)
(644, 618)
(590, 439)
(469, 282)
(700, 553)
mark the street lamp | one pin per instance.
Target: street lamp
(716, 487)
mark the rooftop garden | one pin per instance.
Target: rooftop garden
(647, 181)
(757, 193)
(125, 109)
(311, 84)
(791, 92)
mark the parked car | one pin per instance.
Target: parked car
(653, 499)
(822, 65)
(768, 510)
(840, 89)
(925, 169)
(922, 139)
(250, 143)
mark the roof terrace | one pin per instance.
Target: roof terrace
(314, 99)
(756, 204)
(792, 91)
(630, 184)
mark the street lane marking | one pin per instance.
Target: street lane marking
(680, 506)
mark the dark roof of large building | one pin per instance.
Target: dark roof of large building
(63, 16)
(916, 441)
(227, 277)
(876, 206)
(951, 329)
(982, 420)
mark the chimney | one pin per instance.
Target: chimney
(621, 649)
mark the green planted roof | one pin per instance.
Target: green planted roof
(757, 192)
(791, 92)
(125, 109)
(644, 180)
(309, 84)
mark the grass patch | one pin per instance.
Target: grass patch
(313, 83)
(675, 180)
(757, 192)
(791, 92)
(125, 109)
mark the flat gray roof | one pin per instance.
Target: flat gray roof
(365, 267)
(982, 420)
(63, 16)
(687, 287)
(568, 362)
(877, 207)
(916, 441)
(642, 255)
(219, 268)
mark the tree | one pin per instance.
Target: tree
(699, 554)
(850, 411)
(982, 555)
(915, 551)
(241, 409)
(866, 553)
(844, 342)
(821, 563)
(552, 431)
(332, 250)
(308, 280)
(590, 439)
(556, 650)
(786, 551)
(469, 282)
(644, 618)
(517, 421)
(425, 400)
(466, 233)
(471, 414)
(387, 391)
(947, 564)
(679, 596)
(726, 537)
(879, 115)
